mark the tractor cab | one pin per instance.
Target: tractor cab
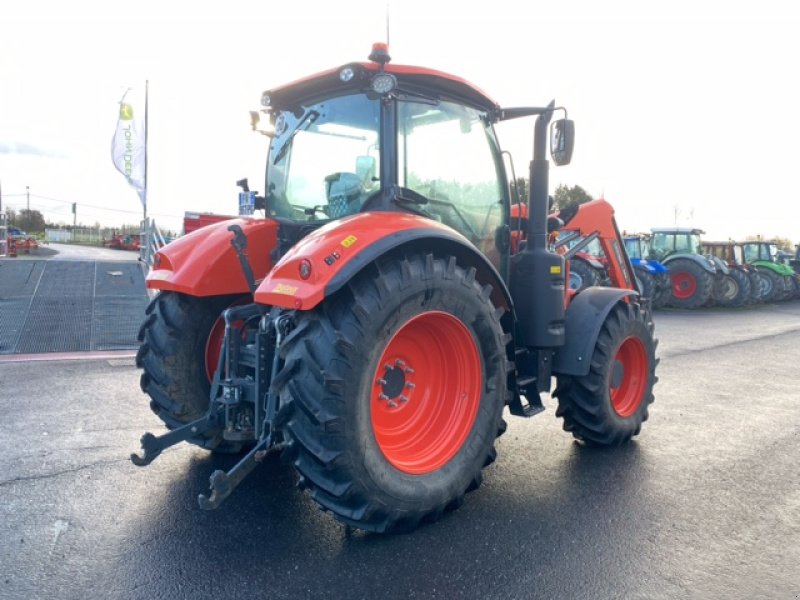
(763, 251)
(375, 136)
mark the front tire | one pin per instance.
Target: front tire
(392, 393)
(609, 404)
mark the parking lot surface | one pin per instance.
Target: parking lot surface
(705, 503)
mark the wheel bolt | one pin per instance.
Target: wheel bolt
(399, 363)
(410, 385)
(381, 382)
(392, 404)
(408, 371)
(383, 397)
(403, 398)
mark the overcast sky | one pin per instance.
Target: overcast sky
(685, 113)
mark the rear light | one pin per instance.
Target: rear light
(305, 269)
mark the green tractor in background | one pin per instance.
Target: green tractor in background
(779, 281)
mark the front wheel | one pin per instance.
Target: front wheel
(392, 393)
(608, 405)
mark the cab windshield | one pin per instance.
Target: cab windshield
(633, 247)
(759, 252)
(447, 154)
(323, 160)
(663, 244)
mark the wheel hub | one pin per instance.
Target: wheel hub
(395, 384)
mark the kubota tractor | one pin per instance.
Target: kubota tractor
(778, 280)
(375, 324)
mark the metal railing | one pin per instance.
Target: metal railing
(152, 240)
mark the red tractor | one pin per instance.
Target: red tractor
(373, 327)
(124, 241)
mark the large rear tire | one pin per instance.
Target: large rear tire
(663, 290)
(392, 393)
(609, 404)
(647, 284)
(734, 289)
(772, 288)
(179, 339)
(757, 286)
(692, 285)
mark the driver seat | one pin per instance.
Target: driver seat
(343, 191)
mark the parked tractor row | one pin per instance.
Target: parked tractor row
(674, 267)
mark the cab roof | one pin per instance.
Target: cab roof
(678, 230)
(410, 79)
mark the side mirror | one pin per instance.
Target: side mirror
(255, 120)
(562, 141)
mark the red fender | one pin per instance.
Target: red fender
(325, 259)
(203, 263)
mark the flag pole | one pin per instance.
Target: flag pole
(146, 131)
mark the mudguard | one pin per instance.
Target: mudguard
(780, 269)
(700, 260)
(651, 266)
(584, 318)
(203, 263)
(722, 266)
(326, 259)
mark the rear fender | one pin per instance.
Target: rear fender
(700, 260)
(781, 270)
(339, 250)
(203, 263)
(722, 266)
(584, 318)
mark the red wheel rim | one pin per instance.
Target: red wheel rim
(214, 342)
(684, 285)
(214, 347)
(628, 377)
(426, 392)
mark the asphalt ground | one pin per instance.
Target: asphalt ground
(705, 503)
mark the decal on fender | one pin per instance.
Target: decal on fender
(348, 241)
(555, 270)
(282, 288)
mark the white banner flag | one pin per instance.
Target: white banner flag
(129, 146)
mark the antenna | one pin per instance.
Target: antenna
(387, 23)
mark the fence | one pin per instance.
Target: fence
(83, 235)
(152, 241)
